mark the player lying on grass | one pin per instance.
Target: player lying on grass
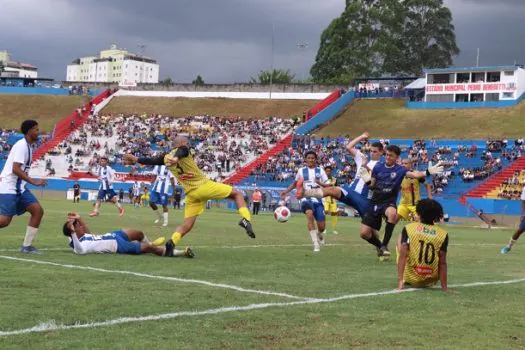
(124, 241)
(422, 249)
(199, 189)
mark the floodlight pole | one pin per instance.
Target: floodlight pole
(271, 65)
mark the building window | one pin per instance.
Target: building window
(493, 77)
(508, 94)
(509, 73)
(126, 65)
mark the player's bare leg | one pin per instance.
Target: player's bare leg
(321, 228)
(312, 230)
(367, 233)
(5, 221)
(506, 249)
(391, 214)
(244, 211)
(96, 209)
(37, 213)
(115, 201)
(155, 209)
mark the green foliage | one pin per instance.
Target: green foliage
(278, 76)
(198, 81)
(376, 37)
(166, 81)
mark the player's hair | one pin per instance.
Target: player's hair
(27, 125)
(310, 152)
(394, 149)
(429, 210)
(328, 167)
(66, 230)
(377, 145)
(104, 157)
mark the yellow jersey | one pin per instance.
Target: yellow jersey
(186, 170)
(424, 244)
(331, 181)
(411, 191)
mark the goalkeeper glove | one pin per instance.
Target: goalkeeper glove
(434, 169)
(363, 174)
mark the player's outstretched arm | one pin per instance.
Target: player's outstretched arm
(351, 146)
(431, 170)
(17, 170)
(130, 159)
(288, 189)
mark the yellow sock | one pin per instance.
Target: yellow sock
(245, 213)
(176, 237)
(334, 222)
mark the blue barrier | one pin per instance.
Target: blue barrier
(15, 90)
(326, 114)
(33, 91)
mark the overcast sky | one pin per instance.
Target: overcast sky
(223, 40)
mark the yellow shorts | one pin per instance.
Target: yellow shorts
(405, 210)
(196, 199)
(330, 206)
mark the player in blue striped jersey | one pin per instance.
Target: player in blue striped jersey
(310, 177)
(123, 241)
(160, 192)
(106, 176)
(357, 194)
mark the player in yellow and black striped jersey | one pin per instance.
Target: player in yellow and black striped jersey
(410, 195)
(422, 249)
(197, 187)
(330, 203)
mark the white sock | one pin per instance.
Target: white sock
(30, 235)
(165, 217)
(118, 205)
(313, 236)
(159, 215)
(146, 240)
(512, 242)
(177, 252)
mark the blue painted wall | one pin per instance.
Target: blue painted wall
(463, 105)
(326, 114)
(40, 91)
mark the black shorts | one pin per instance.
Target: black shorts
(374, 216)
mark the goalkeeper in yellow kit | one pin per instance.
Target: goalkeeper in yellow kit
(198, 188)
(422, 249)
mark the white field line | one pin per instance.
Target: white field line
(65, 249)
(53, 326)
(165, 278)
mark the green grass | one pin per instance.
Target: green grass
(483, 317)
(391, 119)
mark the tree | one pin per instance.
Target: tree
(166, 81)
(374, 37)
(429, 38)
(198, 81)
(278, 76)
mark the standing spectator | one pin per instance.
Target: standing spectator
(177, 196)
(256, 201)
(76, 193)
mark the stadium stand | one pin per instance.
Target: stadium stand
(223, 145)
(467, 162)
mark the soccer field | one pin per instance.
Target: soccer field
(239, 293)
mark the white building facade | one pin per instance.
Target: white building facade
(14, 69)
(475, 84)
(114, 66)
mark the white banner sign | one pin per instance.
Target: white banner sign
(437, 89)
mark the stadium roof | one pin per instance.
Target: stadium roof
(471, 69)
(416, 85)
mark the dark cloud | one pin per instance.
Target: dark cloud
(223, 40)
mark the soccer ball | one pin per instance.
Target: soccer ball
(282, 214)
